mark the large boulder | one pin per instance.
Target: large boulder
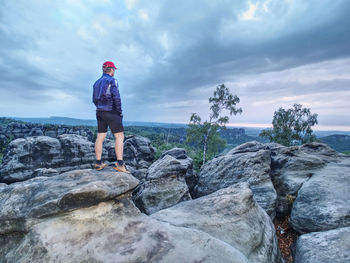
(114, 230)
(168, 165)
(293, 166)
(117, 232)
(181, 155)
(323, 201)
(232, 215)
(249, 163)
(138, 148)
(24, 203)
(328, 246)
(25, 155)
(152, 196)
(165, 182)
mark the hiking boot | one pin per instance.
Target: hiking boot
(120, 168)
(99, 167)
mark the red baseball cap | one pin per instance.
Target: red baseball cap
(108, 64)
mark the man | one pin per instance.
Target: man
(107, 100)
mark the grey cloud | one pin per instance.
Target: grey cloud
(211, 62)
(184, 46)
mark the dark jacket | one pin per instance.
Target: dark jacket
(106, 95)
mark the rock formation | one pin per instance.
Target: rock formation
(328, 246)
(25, 203)
(138, 154)
(244, 224)
(29, 157)
(249, 163)
(292, 166)
(51, 214)
(24, 156)
(310, 183)
(88, 216)
(17, 130)
(165, 182)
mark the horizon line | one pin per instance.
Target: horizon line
(239, 124)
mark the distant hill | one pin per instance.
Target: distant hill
(338, 140)
(59, 121)
(340, 143)
(82, 122)
(319, 134)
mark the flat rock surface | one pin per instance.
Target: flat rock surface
(118, 232)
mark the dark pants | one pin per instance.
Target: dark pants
(109, 119)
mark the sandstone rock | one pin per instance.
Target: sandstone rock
(44, 172)
(323, 151)
(138, 148)
(323, 201)
(232, 215)
(36, 131)
(328, 246)
(51, 133)
(138, 154)
(115, 231)
(23, 203)
(181, 155)
(24, 156)
(23, 130)
(253, 146)
(293, 166)
(249, 163)
(164, 184)
(152, 196)
(167, 166)
(9, 242)
(178, 153)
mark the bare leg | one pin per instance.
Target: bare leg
(98, 144)
(119, 144)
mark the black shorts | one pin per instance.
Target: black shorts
(111, 119)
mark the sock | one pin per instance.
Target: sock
(120, 162)
(99, 161)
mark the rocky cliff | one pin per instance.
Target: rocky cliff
(30, 157)
(310, 183)
(89, 216)
(17, 130)
(53, 209)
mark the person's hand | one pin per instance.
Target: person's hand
(121, 115)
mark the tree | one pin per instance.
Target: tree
(204, 135)
(292, 126)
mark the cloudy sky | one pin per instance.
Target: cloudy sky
(172, 54)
